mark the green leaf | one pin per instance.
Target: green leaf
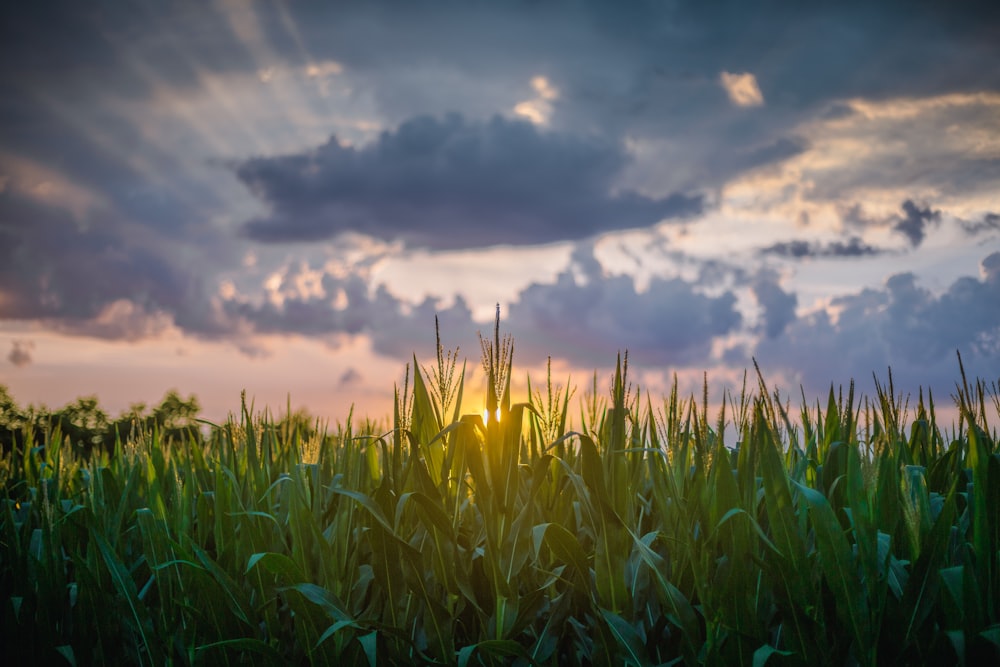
(334, 629)
(234, 595)
(499, 648)
(565, 547)
(764, 653)
(247, 644)
(376, 513)
(276, 563)
(628, 639)
(921, 592)
(323, 599)
(126, 589)
(837, 561)
(66, 651)
(369, 644)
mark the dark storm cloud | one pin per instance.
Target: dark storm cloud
(915, 220)
(53, 266)
(115, 249)
(93, 273)
(66, 42)
(901, 325)
(645, 70)
(20, 352)
(799, 249)
(448, 183)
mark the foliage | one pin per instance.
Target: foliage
(840, 535)
(88, 429)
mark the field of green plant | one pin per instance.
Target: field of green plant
(852, 531)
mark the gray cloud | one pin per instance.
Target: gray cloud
(21, 352)
(680, 38)
(73, 41)
(448, 183)
(670, 323)
(54, 265)
(583, 315)
(915, 220)
(77, 84)
(95, 273)
(777, 304)
(349, 377)
(913, 223)
(855, 216)
(990, 222)
(799, 249)
(348, 305)
(901, 325)
(641, 71)
(779, 150)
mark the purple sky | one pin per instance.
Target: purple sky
(281, 196)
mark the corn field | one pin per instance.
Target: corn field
(851, 531)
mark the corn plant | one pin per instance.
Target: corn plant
(634, 534)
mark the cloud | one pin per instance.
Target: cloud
(777, 304)
(742, 89)
(990, 222)
(672, 322)
(915, 220)
(20, 353)
(583, 315)
(901, 325)
(130, 104)
(54, 264)
(799, 249)
(349, 377)
(913, 223)
(327, 303)
(449, 183)
(779, 150)
(96, 273)
(940, 146)
(538, 109)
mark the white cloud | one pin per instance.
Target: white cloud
(544, 88)
(539, 109)
(742, 89)
(324, 69)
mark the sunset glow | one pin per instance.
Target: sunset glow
(282, 196)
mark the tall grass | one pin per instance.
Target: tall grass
(838, 535)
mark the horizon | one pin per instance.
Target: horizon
(281, 198)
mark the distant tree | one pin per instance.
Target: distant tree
(11, 419)
(175, 412)
(18, 423)
(174, 418)
(300, 421)
(84, 424)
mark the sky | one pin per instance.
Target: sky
(282, 196)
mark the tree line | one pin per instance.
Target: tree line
(87, 427)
